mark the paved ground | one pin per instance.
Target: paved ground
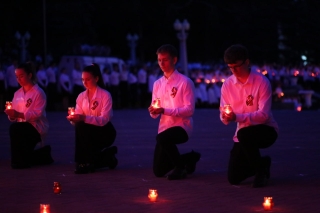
(294, 184)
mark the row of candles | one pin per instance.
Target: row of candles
(152, 195)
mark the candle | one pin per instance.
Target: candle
(8, 104)
(156, 103)
(153, 195)
(227, 108)
(56, 188)
(71, 110)
(268, 203)
(44, 208)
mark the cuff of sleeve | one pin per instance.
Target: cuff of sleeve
(167, 111)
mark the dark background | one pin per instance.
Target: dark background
(214, 25)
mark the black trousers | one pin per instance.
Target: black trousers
(166, 153)
(245, 159)
(91, 139)
(23, 138)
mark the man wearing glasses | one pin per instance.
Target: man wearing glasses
(248, 95)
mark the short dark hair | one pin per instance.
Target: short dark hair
(94, 69)
(28, 67)
(235, 53)
(168, 48)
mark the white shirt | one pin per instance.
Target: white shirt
(64, 82)
(42, 78)
(106, 79)
(32, 104)
(77, 77)
(124, 75)
(98, 111)
(142, 76)
(178, 108)
(114, 78)
(51, 74)
(132, 79)
(11, 77)
(235, 93)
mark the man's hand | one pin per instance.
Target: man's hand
(228, 116)
(13, 114)
(76, 118)
(155, 111)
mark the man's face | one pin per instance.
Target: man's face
(166, 62)
(239, 67)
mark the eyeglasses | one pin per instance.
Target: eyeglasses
(235, 67)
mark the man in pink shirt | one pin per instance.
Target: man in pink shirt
(173, 99)
(248, 95)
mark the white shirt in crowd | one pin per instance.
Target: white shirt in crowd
(114, 78)
(32, 104)
(132, 79)
(51, 74)
(65, 82)
(237, 94)
(11, 76)
(124, 75)
(77, 77)
(42, 78)
(98, 110)
(106, 79)
(177, 98)
(142, 76)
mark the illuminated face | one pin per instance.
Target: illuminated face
(239, 67)
(23, 78)
(166, 62)
(88, 80)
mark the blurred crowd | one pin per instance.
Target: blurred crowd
(131, 86)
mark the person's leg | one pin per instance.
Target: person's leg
(104, 153)
(238, 168)
(23, 139)
(166, 155)
(253, 138)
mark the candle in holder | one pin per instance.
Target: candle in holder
(153, 195)
(71, 110)
(156, 103)
(8, 104)
(44, 208)
(268, 203)
(227, 108)
(56, 188)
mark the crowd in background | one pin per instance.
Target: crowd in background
(131, 86)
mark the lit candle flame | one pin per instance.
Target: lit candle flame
(227, 108)
(8, 105)
(153, 195)
(156, 103)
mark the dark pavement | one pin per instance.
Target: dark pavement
(294, 183)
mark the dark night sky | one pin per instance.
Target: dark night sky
(214, 25)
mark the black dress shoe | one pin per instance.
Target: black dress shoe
(84, 168)
(177, 174)
(195, 157)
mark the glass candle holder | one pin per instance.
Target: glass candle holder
(267, 203)
(8, 105)
(153, 195)
(227, 108)
(44, 208)
(56, 188)
(156, 103)
(70, 110)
